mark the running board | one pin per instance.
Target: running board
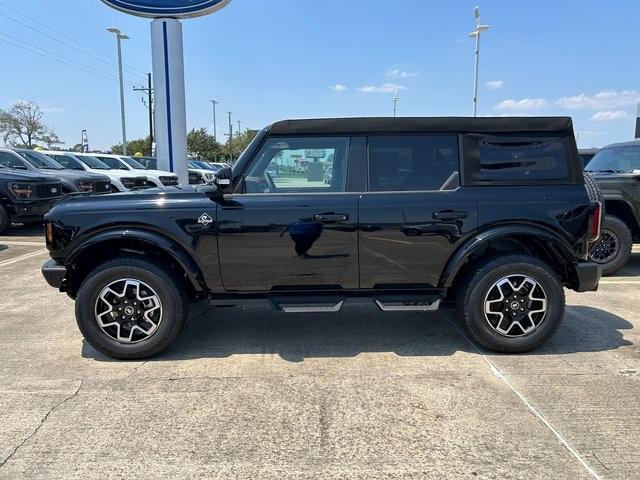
(308, 307)
(390, 304)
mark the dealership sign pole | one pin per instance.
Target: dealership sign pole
(168, 72)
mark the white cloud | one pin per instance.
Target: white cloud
(495, 84)
(397, 73)
(606, 99)
(523, 104)
(53, 109)
(386, 88)
(338, 87)
(609, 115)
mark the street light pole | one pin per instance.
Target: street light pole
(476, 33)
(215, 134)
(119, 37)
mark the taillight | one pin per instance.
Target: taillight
(596, 221)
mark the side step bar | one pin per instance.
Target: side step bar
(334, 303)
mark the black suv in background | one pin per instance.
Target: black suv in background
(616, 170)
(25, 197)
(490, 212)
(72, 181)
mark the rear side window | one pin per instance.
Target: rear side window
(518, 159)
(413, 162)
(10, 161)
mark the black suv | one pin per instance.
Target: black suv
(25, 197)
(616, 170)
(492, 212)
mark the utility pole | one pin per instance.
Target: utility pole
(395, 102)
(230, 129)
(239, 127)
(119, 37)
(149, 91)
(215, 134)
(476, 33)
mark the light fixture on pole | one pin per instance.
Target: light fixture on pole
(476, 33)
(395, 102)
(119, 37)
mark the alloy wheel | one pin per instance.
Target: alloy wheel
(515, 305)
(606, 248)
(128, 310)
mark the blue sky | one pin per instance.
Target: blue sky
(269, 60)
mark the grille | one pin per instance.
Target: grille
(136, 182)
(102, 187)
(48, 190)
(169, 181)
(195, 178)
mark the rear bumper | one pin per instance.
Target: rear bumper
(589, 274)
(54, 273)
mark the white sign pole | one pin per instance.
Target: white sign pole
(168, 84)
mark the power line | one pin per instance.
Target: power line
(62, 34)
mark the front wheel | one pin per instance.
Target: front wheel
(512, 304)
(5, 220)
(130, 308)
(613, 249)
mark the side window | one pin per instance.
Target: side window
(522, 158)
(299, 164)
(413, 163)
(10, 161)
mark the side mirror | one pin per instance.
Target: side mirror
(224, 180)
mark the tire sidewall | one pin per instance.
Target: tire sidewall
(479, 326)
(625, 243)
(170, 324)
(5, 221)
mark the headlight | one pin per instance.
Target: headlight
(128, 182)
(86, 186)
(21, 190)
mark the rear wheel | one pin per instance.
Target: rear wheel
(613, 249)
(512, 304)
(5, 220)
(130, 308)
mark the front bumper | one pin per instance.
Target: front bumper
(588, 274)
(34, 210)
(54, 273)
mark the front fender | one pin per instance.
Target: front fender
(186, 262)
(461, 255)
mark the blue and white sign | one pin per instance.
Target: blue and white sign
(167, 8)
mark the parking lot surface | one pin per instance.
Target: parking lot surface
(248, 393)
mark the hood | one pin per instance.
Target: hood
(20, 175)
(73, 176)
(154, 173)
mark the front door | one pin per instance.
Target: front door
(415, 213)
(292, 225)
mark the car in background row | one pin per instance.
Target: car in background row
(198, 174)
(25, 197)
(121, 181)
(155, 178)
(586, 154)
(72, 181)
(616, 170)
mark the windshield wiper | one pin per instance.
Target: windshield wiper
(610, 171)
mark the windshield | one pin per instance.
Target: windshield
(134, 163)
(113, 163)
(623, 159)
(206, 166)
(67, 161)
(93, 162)
(39, 160)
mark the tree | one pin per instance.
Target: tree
(22, 126)
(141, 145)
(232, 150)
(202, 145)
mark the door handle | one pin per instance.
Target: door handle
(450, 215)
(330, 217)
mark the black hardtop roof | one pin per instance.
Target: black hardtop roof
(422, 124)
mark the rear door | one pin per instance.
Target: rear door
(293, 224)
(415, 212)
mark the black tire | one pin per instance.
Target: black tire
(614, 233)
(480, 282)
(593, 189)
(5, 220)
(169, 288)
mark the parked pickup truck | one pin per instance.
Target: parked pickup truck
(491, 213)
(25, 197)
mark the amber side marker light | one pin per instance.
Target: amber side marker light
(48, 231)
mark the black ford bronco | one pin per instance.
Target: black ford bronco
(616, 170)
(25, 197)
(490, 212)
